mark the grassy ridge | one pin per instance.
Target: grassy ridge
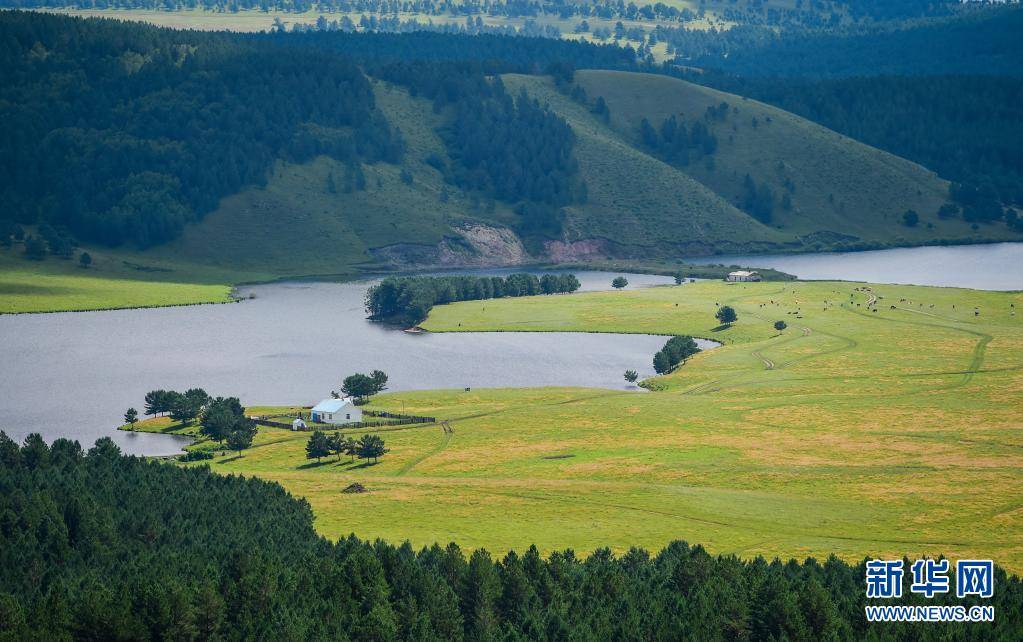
(840, 185)
(853, 431)
(635, 200)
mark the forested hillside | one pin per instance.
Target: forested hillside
(98, 546)
(977, 42)
(125, 133)
(326, 152)
(966, 128)
(781, 170)
(944, 93)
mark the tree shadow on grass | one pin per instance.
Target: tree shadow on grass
(172, 428)
(723, 326)
(314, 464)
(348, 464)
(342, 465)
(365, 464)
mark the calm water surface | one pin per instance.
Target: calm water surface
(74, 374)
(984, 267)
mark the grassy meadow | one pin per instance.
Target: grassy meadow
(885, 420)
(110, 282)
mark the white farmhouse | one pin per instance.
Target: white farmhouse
(336, 411)
(743, 275)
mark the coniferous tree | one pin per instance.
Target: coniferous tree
(318, 446)
(215, 553)
(371, 447)
(241, 435)
(35, 248)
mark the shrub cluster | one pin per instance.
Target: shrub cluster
(674, 352)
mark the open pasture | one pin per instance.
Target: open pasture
(884, 420)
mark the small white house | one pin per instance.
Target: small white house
(298, 424)
(743, 275)
(336, 411)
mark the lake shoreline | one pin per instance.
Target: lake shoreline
(257, 352)
(711, 266)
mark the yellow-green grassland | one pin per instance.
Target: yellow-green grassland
(884, 420)
(111, 281)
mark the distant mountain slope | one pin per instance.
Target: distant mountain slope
(842, 193)
(980, 39)
(836, 185)
(638, 203)
(299, 225)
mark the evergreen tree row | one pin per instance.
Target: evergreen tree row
(98, 546)
(409, 299)
(506, 8)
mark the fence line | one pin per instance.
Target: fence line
(396, 419)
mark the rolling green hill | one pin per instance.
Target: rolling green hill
(328, 153)
(842, 193)
(328, 216)
(298, 225)
(839, 186)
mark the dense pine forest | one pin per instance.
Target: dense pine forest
(99, 546)
(982, 42)
(945, 93)
(127, 132)
(124, 133)
(817, 13)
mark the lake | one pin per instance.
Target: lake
(74, 374)
(998, 266)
